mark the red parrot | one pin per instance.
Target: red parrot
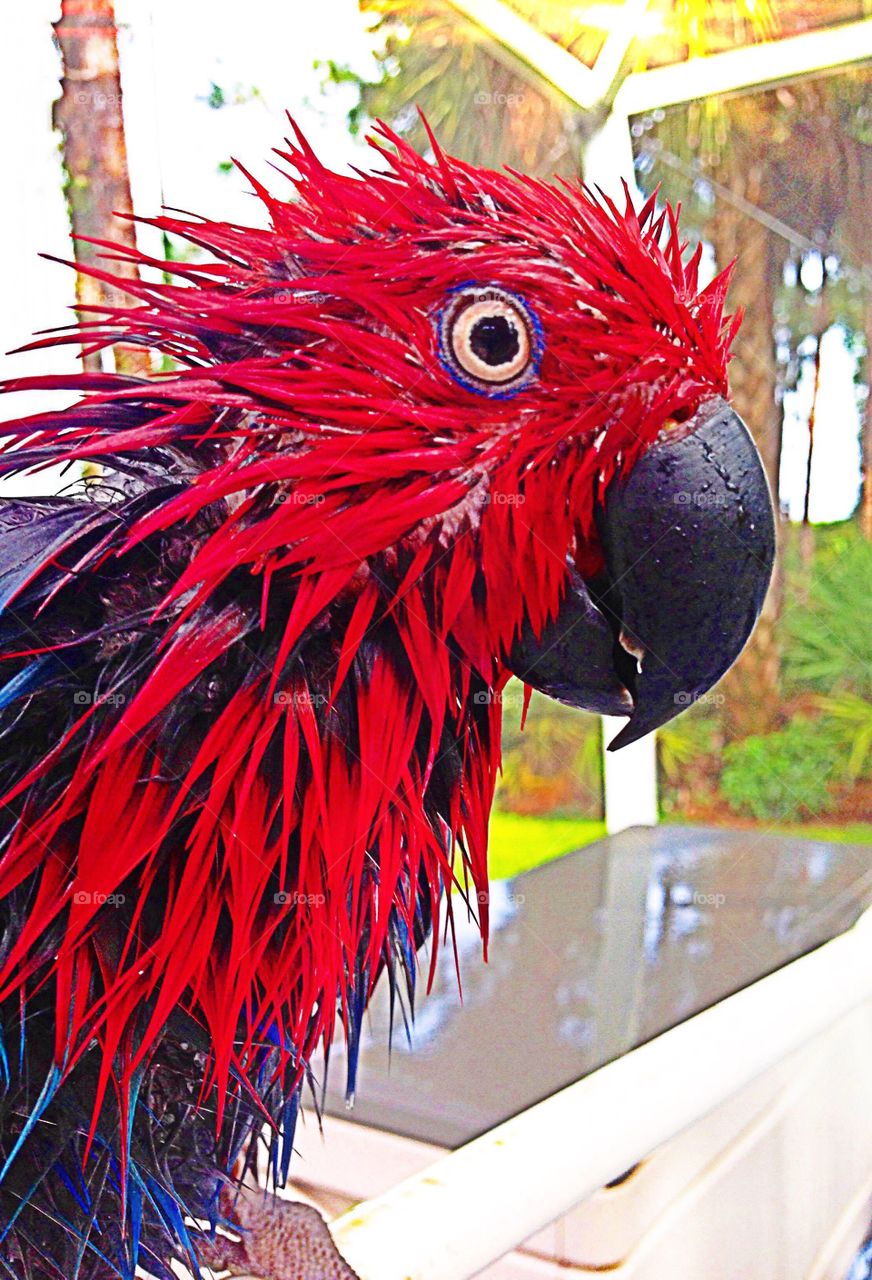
(435, 426)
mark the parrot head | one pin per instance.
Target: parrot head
(543, 367)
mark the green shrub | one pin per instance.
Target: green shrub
(684, 741)
(553, 765)
(826, 632)
(784, 775)
(848, 721)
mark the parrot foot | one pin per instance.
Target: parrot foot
(279, 1240)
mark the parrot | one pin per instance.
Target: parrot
(422, 428)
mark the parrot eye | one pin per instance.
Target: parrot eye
(490, 341)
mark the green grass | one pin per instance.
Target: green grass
(847, 833)
(518, 843)
(850, 833)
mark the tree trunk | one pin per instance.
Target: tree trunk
(806, 536)
(752, 688)
(88, 114)
(866, 429)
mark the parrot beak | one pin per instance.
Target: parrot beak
(689, 542)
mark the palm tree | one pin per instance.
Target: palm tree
(866, 498)
(483, 104)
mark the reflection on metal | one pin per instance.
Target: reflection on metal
(587, 87)
(620, 968)
(668, 919)
(755, 66)
(622, 1111)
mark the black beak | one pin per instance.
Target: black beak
(689, 541)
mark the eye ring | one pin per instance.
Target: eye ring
(490, 340)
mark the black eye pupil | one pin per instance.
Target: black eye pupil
(494, 339)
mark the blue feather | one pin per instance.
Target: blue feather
(356, 1009)
(4, 1061)
(171, 1213)
(49, 1089)
(28, 679)
(79, 1193)
(289, 1126)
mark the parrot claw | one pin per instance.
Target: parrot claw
(278, 1240)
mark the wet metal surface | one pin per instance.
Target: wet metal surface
(591, 956)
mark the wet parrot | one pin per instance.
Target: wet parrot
(416, 431)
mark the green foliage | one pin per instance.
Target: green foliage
(688, 758)
(848, 721)
(781, 776)
(816, 762)
(684, 740)
(483, 104)
(219, 97)
(553, 764)
(177, 250)
(216, 97)
(336, 73)
(827, 635)
(844, 833)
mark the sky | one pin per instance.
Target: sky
(262, 54)
(835, 470)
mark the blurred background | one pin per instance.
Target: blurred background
(755, 116)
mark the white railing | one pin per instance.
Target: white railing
(475, 1205)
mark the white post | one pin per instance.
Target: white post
(608, 158)
(629, 780)
(629, 775)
